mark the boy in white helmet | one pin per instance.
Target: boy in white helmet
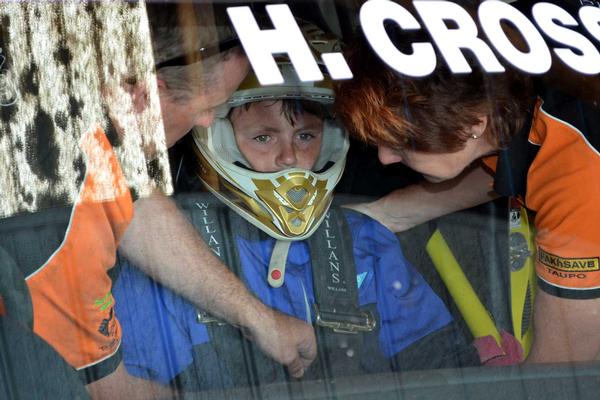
(274, 158)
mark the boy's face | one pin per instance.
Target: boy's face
(270, 143)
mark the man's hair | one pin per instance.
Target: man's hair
(429, 114)
(181, 29)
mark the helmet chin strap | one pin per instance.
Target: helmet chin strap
(276, 274)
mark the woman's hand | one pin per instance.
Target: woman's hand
(408, 207)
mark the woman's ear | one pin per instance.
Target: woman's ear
(480, 128)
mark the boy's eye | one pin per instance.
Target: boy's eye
(305, 136)
(262, 138)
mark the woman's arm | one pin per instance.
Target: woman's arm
(405, 208)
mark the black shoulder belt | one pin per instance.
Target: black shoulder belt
(334, 277)
(331, 250)
(342, 350)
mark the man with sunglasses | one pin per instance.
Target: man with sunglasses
(71, 261)
(193, 80)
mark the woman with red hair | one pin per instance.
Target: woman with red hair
(476, 136)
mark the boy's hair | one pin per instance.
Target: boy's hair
(180, 29)
(428, 114)
(292, 108)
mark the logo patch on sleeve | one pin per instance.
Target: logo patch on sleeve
(360, 278)
(568, 264)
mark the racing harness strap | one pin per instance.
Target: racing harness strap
(334, 272)
(338, 317)
(337, 314)
(334, 278)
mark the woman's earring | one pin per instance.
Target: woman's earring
(474, 136)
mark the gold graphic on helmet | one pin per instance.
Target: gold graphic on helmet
(295, 202)
(223, 188)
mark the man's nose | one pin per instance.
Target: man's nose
(205, 119)
(387, 155)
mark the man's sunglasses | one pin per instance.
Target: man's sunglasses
(203, 53)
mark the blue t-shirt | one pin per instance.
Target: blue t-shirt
(160, 327)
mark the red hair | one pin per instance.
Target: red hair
(383, 107)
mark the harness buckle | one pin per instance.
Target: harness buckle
(343, 322)
(202, 317)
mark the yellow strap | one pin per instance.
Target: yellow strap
(476, 316)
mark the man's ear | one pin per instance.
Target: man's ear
(163, 88)
(160, 83)
(138, 90)
(140, 96)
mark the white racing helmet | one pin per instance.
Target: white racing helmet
(289, 204)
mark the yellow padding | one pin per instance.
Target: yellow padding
(476, 316)
(521, 280)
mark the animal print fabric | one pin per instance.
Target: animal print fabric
(65, 69)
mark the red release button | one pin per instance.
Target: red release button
(276, 274)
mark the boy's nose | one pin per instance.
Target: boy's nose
(287, 156)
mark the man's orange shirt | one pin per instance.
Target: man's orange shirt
(71, 292)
